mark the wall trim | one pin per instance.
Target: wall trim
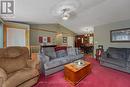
(43, 30)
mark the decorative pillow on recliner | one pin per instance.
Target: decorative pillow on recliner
(117, 53)
(13, 64)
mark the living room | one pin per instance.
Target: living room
(70, 43)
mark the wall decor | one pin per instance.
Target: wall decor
(64, 39)
(44, 39)
(40, 39)
(48, 39)
(120, 35)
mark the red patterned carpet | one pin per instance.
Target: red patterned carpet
(100, 77)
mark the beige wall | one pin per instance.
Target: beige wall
(35, 30)
(56, 28)
(56, 31)
(102, 34)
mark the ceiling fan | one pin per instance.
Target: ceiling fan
(66, 9)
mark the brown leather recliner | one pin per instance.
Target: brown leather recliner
(16, 68)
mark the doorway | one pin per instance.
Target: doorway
(85, 43)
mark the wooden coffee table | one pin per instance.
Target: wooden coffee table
(74, 74)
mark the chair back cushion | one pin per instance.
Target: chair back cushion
(117, 53)
(13, 58)
(13, 64)
(17, 51)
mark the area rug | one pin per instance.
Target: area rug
(100, 77)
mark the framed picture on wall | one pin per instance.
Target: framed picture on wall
(40, 39)
(120, 35)
(44, 39)
(48, 39)
(64, 39)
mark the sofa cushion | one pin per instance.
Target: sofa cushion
(128, 64)
(13, 64)
(20, 77)
(80, 56)
(75, 57)
(77, 51)
(128, 54)
(117, 53)
(121, 63)
(71, 51)
(65, 60)
(44, 58)
(50, 51)
(61, 53)
(52, 64)
(72, 58)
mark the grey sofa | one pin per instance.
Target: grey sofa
(116, 58)
(53, 61)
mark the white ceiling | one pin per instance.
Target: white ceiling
(89, 12)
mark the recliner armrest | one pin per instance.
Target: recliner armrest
(33, 63)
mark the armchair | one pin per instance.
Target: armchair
(16, 68)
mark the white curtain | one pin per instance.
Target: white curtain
(16, 37)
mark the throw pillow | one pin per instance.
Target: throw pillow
(71, 51)
(50, 51)
(61, 53)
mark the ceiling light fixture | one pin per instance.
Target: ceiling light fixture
(65, 9)
(88, 30)
(65, 15)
